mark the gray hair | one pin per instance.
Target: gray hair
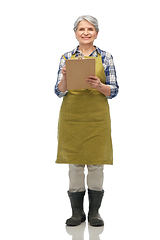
(88, 18)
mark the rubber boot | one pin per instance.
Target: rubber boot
(78, 215)
(95, 199)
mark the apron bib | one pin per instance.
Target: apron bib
(84, 128)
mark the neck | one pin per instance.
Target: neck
(86, 49)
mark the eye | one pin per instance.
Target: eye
(90, 29)
(81, 29)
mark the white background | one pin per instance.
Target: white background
(33, 189)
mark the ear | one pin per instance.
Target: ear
(75, 34)
(96, 35)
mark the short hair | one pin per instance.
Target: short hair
(88, 18)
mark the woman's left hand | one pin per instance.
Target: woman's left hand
(94, 81)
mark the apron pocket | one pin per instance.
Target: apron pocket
(84, 107)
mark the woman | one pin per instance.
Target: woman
(84, 129)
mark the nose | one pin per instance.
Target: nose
(86, 31)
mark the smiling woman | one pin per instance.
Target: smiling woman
(84, 129)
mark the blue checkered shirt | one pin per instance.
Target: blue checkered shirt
(108, 65)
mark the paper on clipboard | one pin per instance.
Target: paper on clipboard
(77, 71)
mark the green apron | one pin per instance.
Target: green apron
(84, 128)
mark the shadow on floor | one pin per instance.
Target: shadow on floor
(77, 233)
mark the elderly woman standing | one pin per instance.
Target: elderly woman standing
(84, 129)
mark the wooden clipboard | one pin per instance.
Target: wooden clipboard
(77, 71)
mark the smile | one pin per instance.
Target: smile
(85, 37)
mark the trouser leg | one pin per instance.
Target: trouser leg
(77, 178)
(76, 194)
(95, 193)
(95, 177)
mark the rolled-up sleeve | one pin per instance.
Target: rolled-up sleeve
(111, 78)
(59, 78)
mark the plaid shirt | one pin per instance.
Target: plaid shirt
(108, 65)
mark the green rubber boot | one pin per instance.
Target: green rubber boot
(78, 215)
(95, 199)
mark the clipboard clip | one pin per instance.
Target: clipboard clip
(80, 56)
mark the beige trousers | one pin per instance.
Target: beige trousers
(77, 177)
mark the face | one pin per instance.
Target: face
(86, 33)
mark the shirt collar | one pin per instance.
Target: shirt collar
(76, 51)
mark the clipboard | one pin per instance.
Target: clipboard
(77, 71)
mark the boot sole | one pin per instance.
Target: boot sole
(74, 222)
(96, 223)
